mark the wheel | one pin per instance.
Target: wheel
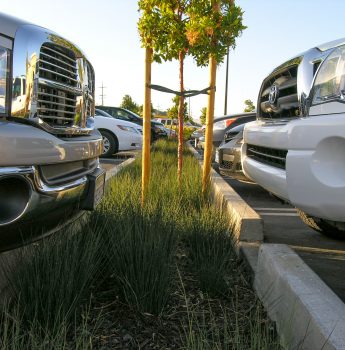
(110, 144)
(331, 229)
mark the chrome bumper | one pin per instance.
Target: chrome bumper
(43, 198)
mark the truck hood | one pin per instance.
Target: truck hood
(9, 24)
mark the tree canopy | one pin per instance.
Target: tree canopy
(249, 106)
(203, 115)
(191, 26)
(128, 103)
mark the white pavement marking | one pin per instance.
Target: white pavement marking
(278, 214)
(276, 209)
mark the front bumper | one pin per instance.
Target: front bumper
(47, 207)
(229, 160)
(131, 142)
(314, 179)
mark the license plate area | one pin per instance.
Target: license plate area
(95, 190)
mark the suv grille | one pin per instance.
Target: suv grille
(56, 104)
(278, 96)
(271, 156)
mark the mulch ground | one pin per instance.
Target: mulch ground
(116, 326)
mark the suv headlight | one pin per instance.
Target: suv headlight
(329, 83)
(3, 78)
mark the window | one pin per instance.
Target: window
(123, 115)
(330, 80)
(3, 79)
(17, 87)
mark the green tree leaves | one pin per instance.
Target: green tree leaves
(128, 103)
(190, 26)
(249, 106)
(203, 115)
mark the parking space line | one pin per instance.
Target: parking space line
(276, 209)
(278, 214)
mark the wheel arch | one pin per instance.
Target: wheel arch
(117, 144)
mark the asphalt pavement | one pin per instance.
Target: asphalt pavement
(324, 255)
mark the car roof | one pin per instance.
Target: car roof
(120, 121)
(120, 108)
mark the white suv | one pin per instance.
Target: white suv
(296, 147)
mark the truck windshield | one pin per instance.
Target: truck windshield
(3, 79)
(330, 81)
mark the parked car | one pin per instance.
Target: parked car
(295, 148)
(125, 114)
(118, 135)
(167, 122)
(224, 123)
(198, 133)
(169, 131)
(228, 154)
(49, 166)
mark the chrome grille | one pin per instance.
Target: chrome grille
(283, 102)
(57, 87)
(270, 156)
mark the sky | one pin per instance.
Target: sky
(106, 30)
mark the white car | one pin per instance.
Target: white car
(295, 148)
(118, 135)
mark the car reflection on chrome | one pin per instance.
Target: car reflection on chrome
(228, 155)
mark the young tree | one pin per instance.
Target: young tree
(203, 115)
(128, 103)
(212, 30)
(249, 106)
(205, 29)
(163, 27)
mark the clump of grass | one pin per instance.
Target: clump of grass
(14, 337)
(51, 279)
(224, 331)
(140, 257)
(211, 251)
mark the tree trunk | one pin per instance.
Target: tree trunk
(209, 127)
(146, 153)
(180, 121)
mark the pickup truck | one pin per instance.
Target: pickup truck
(295, 148)
(49, 163)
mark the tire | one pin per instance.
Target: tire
(110, 143)
(327, 228)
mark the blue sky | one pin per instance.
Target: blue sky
(106, 31)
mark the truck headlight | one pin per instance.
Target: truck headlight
(3, 78)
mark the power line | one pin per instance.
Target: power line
(102, 95)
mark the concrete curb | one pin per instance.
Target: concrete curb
(117, 168)
(308, 314)
(247, 222)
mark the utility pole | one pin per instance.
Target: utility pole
(226, 84)
(102, 95)
(189, 116)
